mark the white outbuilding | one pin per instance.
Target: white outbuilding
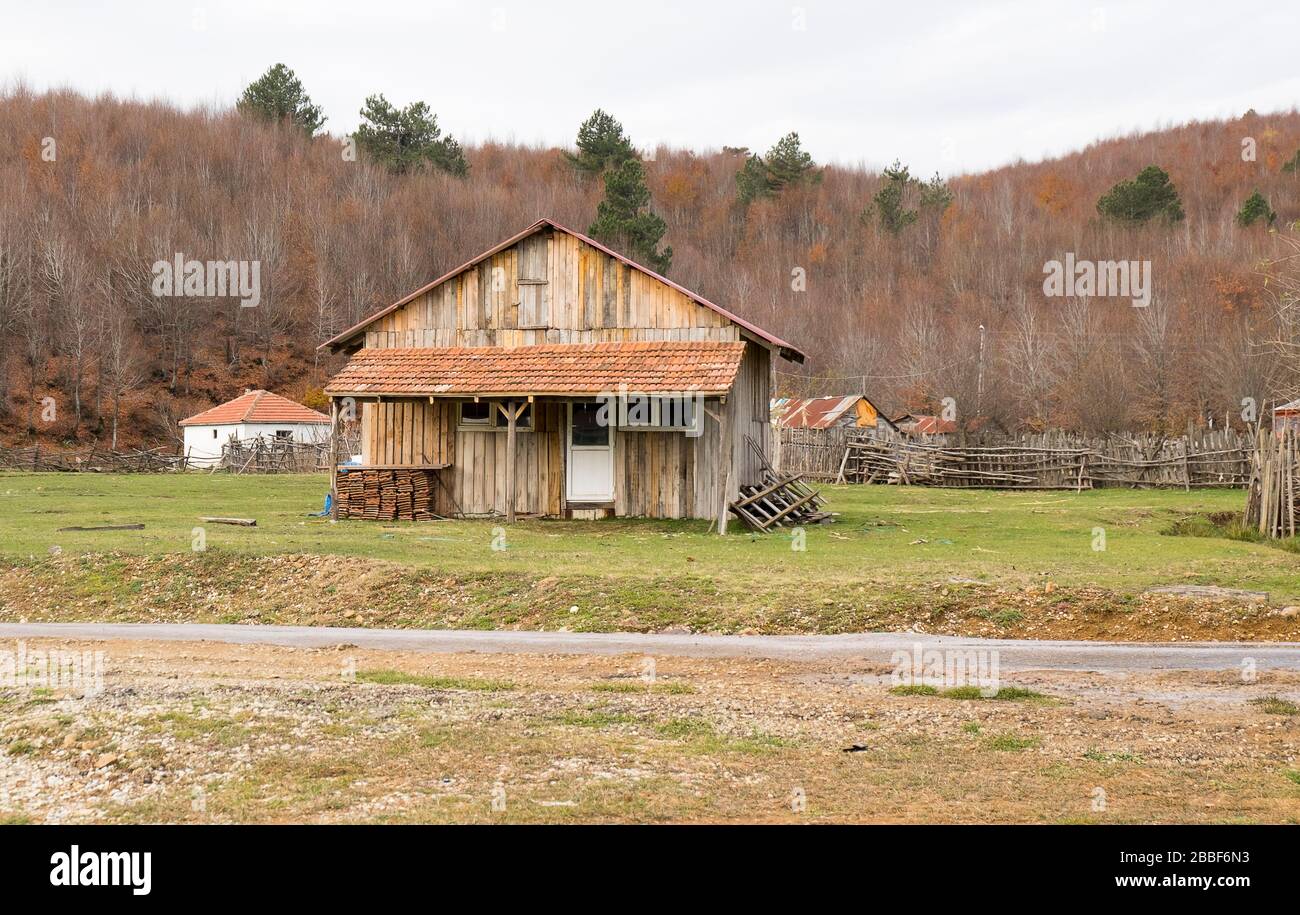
(254, 414)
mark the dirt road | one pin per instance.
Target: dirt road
(875, 648)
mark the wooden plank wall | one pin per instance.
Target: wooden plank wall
(588, 297)
(408, 432)
(749, 402)
(478, 480)
(656, 474)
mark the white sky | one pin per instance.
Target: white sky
(944, 86)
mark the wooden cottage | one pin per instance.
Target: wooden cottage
(551, 376)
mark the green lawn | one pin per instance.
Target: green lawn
(884, 536)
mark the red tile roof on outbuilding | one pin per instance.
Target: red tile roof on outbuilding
(652, 367)
(256, 407)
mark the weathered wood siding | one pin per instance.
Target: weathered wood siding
(749, 403)
(548, 288)
(408, 432)
(554, 288)
(479, 478)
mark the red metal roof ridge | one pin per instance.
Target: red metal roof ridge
(545, 221)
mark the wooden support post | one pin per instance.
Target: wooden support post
(334, 458)
(512, 412)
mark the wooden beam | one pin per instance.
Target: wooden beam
(334, 458)
(512, 414)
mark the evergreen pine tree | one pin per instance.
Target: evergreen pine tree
(601, 143)
(405, 139)
(624, 220)
(786, 163)
(752, 181)
(888, 204)
(1292, 165)
(1147, 196)
(277, 95)
(1254, 210)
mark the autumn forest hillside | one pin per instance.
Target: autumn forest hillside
(886, 293)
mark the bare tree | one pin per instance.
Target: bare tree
(124, 369)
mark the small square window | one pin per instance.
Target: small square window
(476, 413)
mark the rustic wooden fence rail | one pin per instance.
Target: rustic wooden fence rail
(248, 456)
(1271, 496)
(94, 459)
(258, 455)
(1055, 460)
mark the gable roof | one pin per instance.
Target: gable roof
(787, 350)
(816, 412)
(256, 407)
(643, 367)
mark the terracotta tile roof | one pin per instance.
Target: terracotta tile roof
(787, 350)
(256, 407)
(573, 368)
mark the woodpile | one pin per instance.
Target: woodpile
(390, 494)
(1271, 495)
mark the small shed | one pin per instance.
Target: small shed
(851, 411)
(254, 414)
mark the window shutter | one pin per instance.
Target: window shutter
(534, 298)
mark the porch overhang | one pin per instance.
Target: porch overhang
(572, 370)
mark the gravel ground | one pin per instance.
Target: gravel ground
(206, 732)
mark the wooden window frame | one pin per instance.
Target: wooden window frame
(495, 422)
(656, 419)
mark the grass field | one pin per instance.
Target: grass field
(891, 551)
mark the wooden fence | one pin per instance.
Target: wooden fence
(1056, 460)
(1271, 497)
(248, 456)
(94, 459)
(261, 455)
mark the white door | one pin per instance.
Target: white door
(591, 454)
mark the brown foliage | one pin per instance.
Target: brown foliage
(138, 182)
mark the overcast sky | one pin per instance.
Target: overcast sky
(945, 86)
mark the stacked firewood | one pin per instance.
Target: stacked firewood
(394, 494)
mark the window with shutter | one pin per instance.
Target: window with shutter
(534, 298)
